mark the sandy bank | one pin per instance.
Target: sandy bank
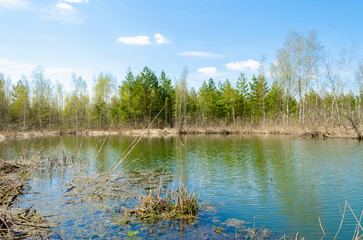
(308, 132)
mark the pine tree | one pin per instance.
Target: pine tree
(167, 98)
(274, 101)
(230, 96)
(148, 92)
(242, 98)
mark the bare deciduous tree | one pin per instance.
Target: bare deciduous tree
(284, 70)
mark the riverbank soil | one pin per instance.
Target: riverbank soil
(319, 132)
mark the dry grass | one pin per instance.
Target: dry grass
(178, 204)
(20, 223)
(16, 223)
(10, 186)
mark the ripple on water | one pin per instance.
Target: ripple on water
(283, 183)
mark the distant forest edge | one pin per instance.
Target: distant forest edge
(309, 88)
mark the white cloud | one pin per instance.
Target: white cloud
(249, 65)
(13, 3)
(143, 40)
(160, 39)
(269, 74)
(207, 70)
(200, 54)
(63, 12)
(16, 69)
(138, 40)
(64, 6)
(76, 1)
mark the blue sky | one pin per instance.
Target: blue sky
(218, 39)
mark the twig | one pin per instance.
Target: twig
(121, 159)
(79, 150)
(341, 222)
(32, 225)
(356, 233)
(58, 235)
(354, 215)
(321, 226)
(6, 227)
(360, 136)
(19, 183)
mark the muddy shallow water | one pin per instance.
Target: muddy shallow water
(282, 183)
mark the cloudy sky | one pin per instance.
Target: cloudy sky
(218, 39)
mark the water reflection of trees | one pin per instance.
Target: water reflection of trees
(257, 172)
(284, 181)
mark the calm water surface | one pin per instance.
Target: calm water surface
(282, 183)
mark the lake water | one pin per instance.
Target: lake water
(282, 183)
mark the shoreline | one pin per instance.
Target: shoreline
(314, 133)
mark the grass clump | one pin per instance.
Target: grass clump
(132, 234)
(178, 204)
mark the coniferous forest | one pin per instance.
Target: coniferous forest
(305, 86)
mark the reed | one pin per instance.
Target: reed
(178, 204)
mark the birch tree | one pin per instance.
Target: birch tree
(42, 90)
(335, 69)
(101, 98)
(181, 93)
(359, 79)
(4, 101)
(311, 59)
(284, 71)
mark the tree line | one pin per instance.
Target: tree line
(308, 87)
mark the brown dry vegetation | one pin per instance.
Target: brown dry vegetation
(345, 130)
(16, 223)
(178, 204)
